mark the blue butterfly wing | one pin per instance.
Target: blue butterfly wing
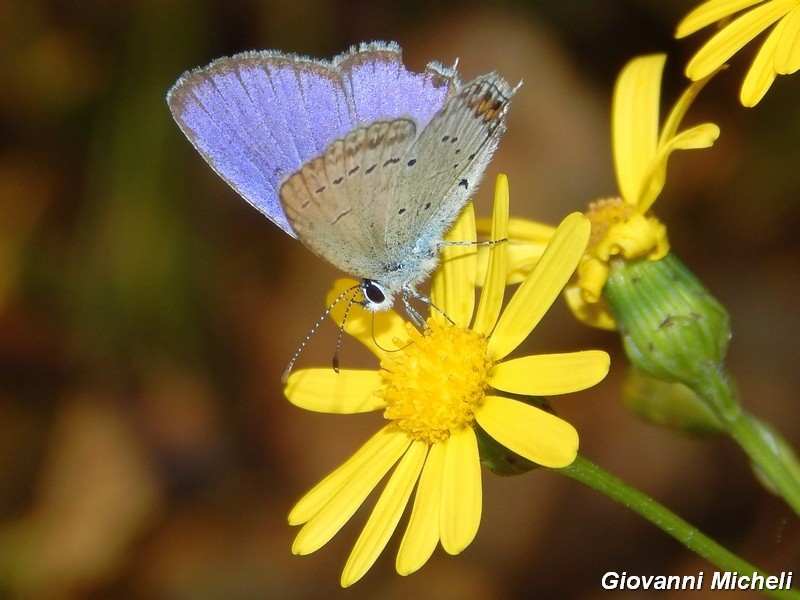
(258, 117)
(380, 88)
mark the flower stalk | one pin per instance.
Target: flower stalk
(675, 330)
(589, 474)
(770, 454)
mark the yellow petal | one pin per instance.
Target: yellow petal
(491, 300)
(461, 491)
(375, 330)
(332, 516)
(550, 374)
(422, 534)
(519, 229)
(734, 36)
(787, 53)
(386, 514)
(530, 432)
(700, 136)
(453, 285)
(680, 109)
(593, 269)
(762, 72)
(526, 242)
(522, 257)
(536, 294)
(324, 390)
(382, 449)
(710, 12)
(634, 122)
(593, 314)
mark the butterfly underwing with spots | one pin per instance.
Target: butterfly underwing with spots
(367, 163)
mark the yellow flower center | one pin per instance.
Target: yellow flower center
(435, 381)
(603, 214)
(618, 228)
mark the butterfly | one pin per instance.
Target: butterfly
(365, 162)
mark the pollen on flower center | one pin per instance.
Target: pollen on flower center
(435, 381)
(603, 215)
(618, 228)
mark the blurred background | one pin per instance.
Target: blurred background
(146, 312)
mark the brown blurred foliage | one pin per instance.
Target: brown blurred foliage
(146, 313)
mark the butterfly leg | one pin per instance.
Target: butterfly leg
(413, 313)
(409, 292)
(484, 243)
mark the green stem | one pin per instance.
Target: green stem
(590, 474)
(674, 330)
(765, 448)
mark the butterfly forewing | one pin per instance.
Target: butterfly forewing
(379, 87)
(449, 157)
(255, 117)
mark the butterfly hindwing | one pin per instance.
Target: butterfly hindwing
(337, 203)
(378, 201)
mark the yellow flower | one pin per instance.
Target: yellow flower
(526, 241)
(779, 54)
(624, 227)
(434, 387)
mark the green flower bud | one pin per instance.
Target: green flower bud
(671, 326)
(668, 404)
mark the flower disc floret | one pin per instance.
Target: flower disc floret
(431, 390)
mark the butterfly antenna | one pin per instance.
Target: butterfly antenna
(287, 371)
(335, 361)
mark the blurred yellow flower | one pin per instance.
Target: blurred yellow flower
(623, 227)
(778, 55)
(434, 387)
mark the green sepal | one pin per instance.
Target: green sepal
(668, 404)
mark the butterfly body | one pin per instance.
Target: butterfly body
(367, 163)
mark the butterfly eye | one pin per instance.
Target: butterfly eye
(375, 297)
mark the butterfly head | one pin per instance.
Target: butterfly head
(376, 296)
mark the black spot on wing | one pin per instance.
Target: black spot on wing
(340, 215)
